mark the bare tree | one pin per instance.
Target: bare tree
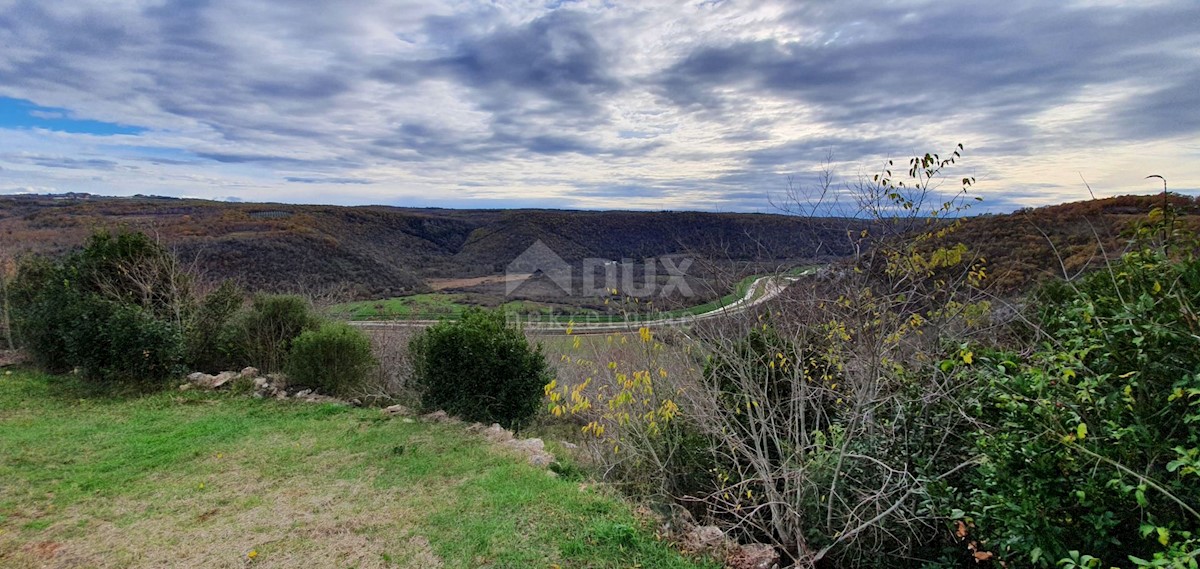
(816, 404)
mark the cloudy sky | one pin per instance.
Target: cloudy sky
(707, 105)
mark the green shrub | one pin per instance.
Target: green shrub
(263, 335)
(113, 310)
(1091, 443)
(334, 359)
(126, 344)
(204, 348)
(131, 269)
(479, 369)
(41, 313)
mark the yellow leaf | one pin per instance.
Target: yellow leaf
(968, 357)
(1081, 431)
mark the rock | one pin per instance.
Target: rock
(497, 434)
(281, 394)
(533, 449)
(222, 378)
(249, 372)
(185, 387)
(259, 382)
(200, 379)
(753, 556)
(476, 428)
(541, 459)
(567, 445)
(704, 539)
(526, 445)
(12, 358)
(437, 417)
(678, 521)
(303, 393)
(393, 410)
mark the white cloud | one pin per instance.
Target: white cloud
(595, 104)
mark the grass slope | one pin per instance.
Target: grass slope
(189, 479)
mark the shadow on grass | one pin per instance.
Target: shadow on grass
(72, 387)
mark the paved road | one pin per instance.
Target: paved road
(761, 290)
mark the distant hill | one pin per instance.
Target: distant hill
(387, 251)
(1031, 245)
(384, 251)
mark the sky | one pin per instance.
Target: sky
(714, 105)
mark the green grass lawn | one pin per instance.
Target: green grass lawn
(431, 305)
(200, 479)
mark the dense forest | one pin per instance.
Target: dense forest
(389, 251)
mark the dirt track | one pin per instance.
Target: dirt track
(761, 290)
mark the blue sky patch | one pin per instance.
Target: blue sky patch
(22, 114)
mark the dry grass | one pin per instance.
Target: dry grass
(233, 511)
(444, 284)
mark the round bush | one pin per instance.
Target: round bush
(262, 336)
(479, 369)
(203, 335)
(113, 310)
(334, 359)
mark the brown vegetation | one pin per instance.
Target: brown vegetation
(389, 251)
(1060, 241)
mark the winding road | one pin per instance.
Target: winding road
(761, 290)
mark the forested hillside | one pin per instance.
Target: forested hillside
(1032, 245)
(387, 251)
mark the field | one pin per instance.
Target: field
(434, 306)
(429, 306)
(189, 479)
